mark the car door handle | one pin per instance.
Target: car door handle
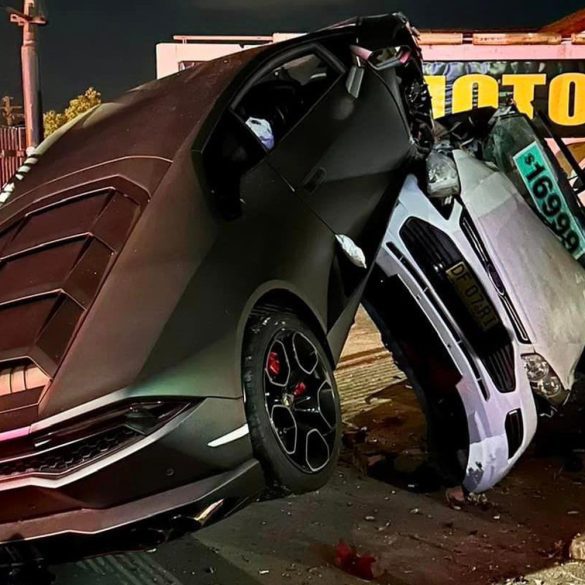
(314, 180)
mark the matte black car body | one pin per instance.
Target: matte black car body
(132, 256)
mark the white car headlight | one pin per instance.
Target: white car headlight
(442, 176)
(543, 379)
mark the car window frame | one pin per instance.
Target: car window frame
(203, 141)
(280, 60)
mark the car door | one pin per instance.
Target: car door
(346, 183)
(339, 150)
(341, 154)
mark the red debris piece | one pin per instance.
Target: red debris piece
(274, 363)
(348, 560)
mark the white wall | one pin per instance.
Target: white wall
(170, 55)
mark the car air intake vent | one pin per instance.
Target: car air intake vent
(54, 256)
(70, 457)
(52, 264)
(500, 366)
(84, 440)
(514, 432)
(460, 290)
(21, 377)
(22, 383)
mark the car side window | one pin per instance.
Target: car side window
(259, 120)
(282, 97)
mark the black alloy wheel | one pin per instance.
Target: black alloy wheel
(291, 401)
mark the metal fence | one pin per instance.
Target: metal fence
(12, 151)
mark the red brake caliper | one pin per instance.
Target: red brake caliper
(300, 389)
(273, 363)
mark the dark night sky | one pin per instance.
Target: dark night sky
(111, 43)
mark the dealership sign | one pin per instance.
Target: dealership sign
(556, 88)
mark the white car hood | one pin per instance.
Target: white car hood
(546, 285)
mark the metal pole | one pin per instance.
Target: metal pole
(30, 79)
(28, 19)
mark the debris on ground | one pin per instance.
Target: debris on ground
(455, 497)
(479, 500)
(353, 435)
(409, 461)
(519, 534)
(349, 561)
(364, 462)
(577, 548)
(385, 441)
(558, 551)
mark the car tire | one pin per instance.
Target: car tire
(292, 404)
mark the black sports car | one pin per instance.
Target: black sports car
(179, 270)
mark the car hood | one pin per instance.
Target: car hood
(546, 285)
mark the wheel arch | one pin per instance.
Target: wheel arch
(285, 299)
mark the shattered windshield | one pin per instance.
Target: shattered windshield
(519, 148)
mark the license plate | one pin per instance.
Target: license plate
(472, 295)
(551, 206)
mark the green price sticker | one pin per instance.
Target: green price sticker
(541, 182)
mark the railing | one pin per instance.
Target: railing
(12, 151)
